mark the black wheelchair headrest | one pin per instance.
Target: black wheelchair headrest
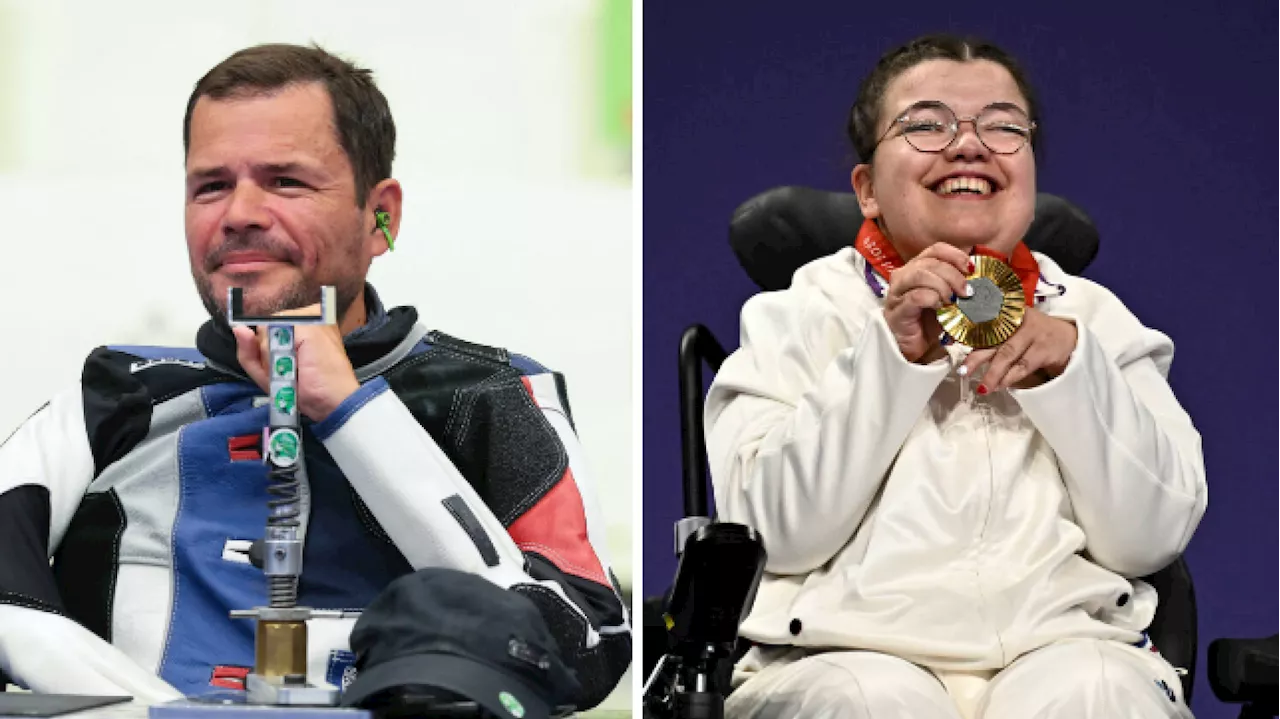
(780, 230)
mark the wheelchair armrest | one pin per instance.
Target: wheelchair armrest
(1244, 671)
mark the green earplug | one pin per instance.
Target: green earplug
(383, 219)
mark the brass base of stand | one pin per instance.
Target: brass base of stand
(279, 675)
(280, 649)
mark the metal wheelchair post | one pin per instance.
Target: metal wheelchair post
(696, 344)
(701, 615)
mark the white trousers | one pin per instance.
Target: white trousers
(1075, 679)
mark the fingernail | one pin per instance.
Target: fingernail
(963, 371)
(946, 340)
(968, 290)
(953, 298)
(971, 266)
(982, 389)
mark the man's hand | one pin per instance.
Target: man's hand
(325, 376)
(916, 291)
(1035, 354)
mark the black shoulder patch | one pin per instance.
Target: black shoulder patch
(493, 354)
(120, 390)
(117, 407)
(169, 378)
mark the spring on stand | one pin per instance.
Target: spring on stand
(283, 514)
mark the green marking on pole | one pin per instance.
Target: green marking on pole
(285, 398)
(284, 447)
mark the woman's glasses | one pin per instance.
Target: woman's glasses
(931, 126)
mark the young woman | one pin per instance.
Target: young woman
(951, 532)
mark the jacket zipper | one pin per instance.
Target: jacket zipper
(984, 410)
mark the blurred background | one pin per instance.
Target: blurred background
(514, 150)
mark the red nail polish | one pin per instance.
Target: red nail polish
(982, 389)
(971, 266)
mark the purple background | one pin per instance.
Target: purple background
(1160, 123)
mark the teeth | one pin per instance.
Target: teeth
(962, 184)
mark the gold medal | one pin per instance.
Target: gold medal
(994, 311)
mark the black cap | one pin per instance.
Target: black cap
(454, 631)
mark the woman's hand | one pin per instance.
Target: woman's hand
(1035, 354)
(916, 291)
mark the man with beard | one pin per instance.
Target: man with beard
(128, 502)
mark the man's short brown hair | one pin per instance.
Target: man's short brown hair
(361, 115)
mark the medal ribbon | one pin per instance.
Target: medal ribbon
(872, 245)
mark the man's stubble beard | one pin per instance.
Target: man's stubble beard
(300, 293)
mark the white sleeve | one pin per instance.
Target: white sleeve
(45, 468)
(50, 654)
(1130, 457)
(51, 450)
(805, 419)
(425, 505)
(549, 542)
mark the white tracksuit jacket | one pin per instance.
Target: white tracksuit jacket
(904, 513)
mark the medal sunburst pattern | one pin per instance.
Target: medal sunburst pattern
(981, 335)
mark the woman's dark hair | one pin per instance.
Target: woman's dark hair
(864, 117)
